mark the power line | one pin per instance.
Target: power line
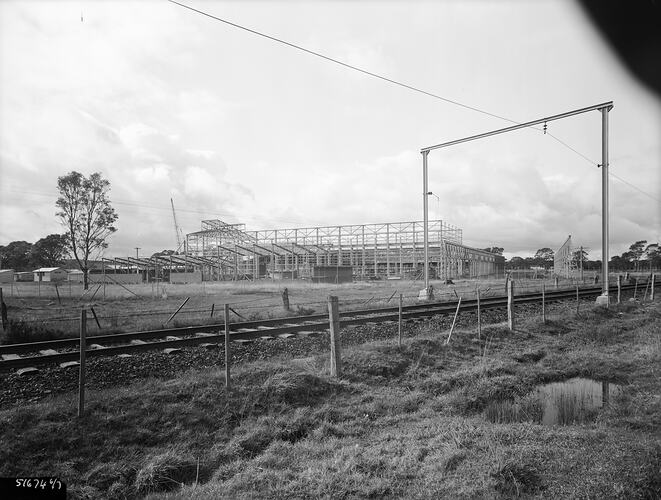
(341, 63)
(632, 186)
(592, 162)
(207, 213)
(392, 81)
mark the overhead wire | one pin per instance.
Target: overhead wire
(208, 213)
(390, 80)
(341, 63)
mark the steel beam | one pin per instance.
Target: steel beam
(606, 105)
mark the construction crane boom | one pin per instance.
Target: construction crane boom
(177, 230)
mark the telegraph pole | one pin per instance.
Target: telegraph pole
(137, 270)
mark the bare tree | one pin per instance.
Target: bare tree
(85, 211)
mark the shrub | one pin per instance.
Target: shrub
(20, 332)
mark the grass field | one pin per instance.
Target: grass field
(37, 313)
(406, 422)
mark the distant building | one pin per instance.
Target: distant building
(50, 274)
(332, 274)
(24, 276)
(6, 275)
(75, 275)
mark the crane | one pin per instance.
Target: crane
(177, 230)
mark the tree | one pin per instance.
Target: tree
(653, 255)
(516, 262)
(496, 250)
(164, 253)
(619, 263)
(16, 255)
(636, 251)
(544, 257)
(50, 251)
(85, 211)
(579, 257)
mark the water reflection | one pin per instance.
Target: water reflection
(574, 401)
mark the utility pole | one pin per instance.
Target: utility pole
(604, 108)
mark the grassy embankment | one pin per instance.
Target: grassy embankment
(406, 422)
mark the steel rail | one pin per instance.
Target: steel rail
(73, 343)
(258, 329)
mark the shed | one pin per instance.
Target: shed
(74, 275)
(50, 274)
(6, 275)
(24, 276)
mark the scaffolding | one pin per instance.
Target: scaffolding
(564, 263)
(387, 250)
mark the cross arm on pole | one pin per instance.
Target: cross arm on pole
(606, 105)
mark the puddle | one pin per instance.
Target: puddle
(574, 401)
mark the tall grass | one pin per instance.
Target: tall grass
(405, 423)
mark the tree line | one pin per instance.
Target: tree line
(50, 251)
(641, 256)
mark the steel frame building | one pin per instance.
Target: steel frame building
(384, 250)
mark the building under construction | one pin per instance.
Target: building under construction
(221, 251)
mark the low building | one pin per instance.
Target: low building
(50, 274)
(75, 275)
(24, 276)
(6, 275)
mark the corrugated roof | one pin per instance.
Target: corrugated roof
(46, 269)
(6, 270)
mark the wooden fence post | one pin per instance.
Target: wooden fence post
(399, 329)
(227, 347)
(619, 288)
(212, 308)
(3, 312)
(334, 320)
(543, 303)
(479, 316)
(285, 299)
(635, 289)
(577, 300)
(81, 367)
(510, 305)
(96, 318)
(555, 280)
(177, 311)
(454, 320)
(652, 289)
(647, 285)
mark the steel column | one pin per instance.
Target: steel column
(604, 200)
(425, 209)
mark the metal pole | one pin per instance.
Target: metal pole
(604, 201)
(425, 209)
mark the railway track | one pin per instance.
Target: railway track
(65, 352)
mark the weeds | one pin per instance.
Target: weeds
(405, 423)
(20, 332)
(514, 479)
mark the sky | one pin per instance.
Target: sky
(167, 103)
